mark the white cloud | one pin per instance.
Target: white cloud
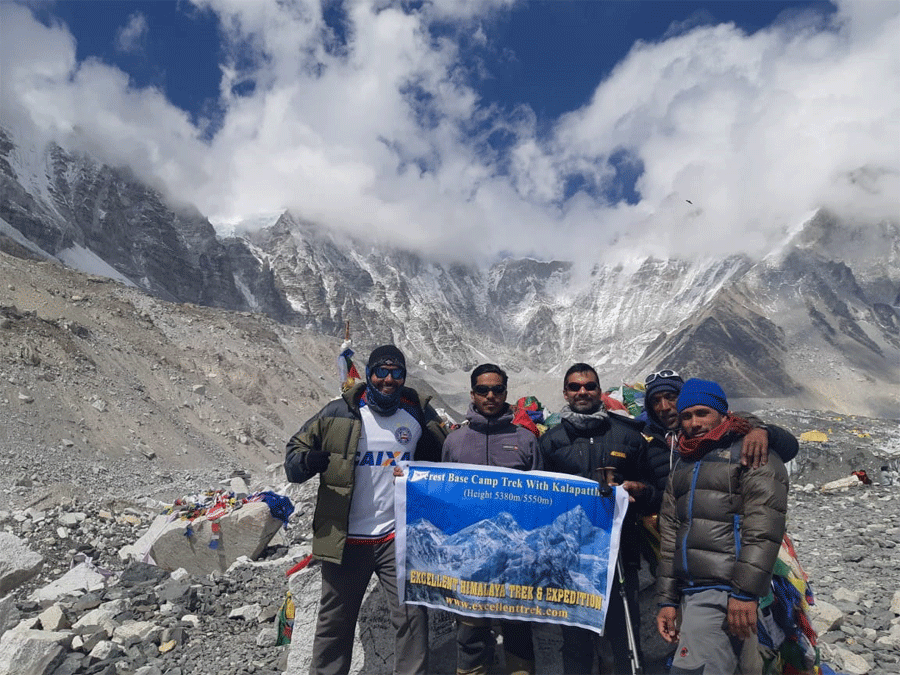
(376, 137)
(130, 37)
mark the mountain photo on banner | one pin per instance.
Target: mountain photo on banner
(486, 541)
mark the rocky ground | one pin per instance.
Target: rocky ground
(225, 623)
(115, 403)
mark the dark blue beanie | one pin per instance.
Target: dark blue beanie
(660, 384)
(702, 392)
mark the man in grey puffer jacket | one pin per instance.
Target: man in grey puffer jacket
(491, 438)
(721, 527)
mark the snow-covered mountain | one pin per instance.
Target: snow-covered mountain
(499, 551)
(816, 321)
(100, 219)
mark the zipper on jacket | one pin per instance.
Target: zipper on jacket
(737, 535)
(690, 514)
(590, 457)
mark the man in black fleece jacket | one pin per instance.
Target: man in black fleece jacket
(592, 443)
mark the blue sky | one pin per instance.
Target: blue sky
(485, 126)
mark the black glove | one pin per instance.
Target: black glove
(317, 460)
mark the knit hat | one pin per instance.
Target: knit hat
(674, 382)
(386, 354)
(702, 392)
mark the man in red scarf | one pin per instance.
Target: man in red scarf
(721, 526)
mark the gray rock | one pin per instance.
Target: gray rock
(101, 618)
(83, 577)
(142, 574)
(825, 617)
(849, 662)
(132, 632)
(71, 520)
(54, 618)
(18, 563)
(244, 532)
(9, 613)
(148, 670)
(845, 595)
(266, 636)
(247, 612)
(104, 650)
(71, 664)
(32, 652)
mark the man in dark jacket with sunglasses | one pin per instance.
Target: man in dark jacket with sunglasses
(353, 444)
(490, 437)
(592, 443)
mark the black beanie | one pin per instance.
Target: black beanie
(386, 354)
(672, 383)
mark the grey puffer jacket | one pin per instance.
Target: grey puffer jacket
(721, 524)
(493, 442)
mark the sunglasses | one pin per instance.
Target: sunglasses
(662, 375)
(578, 386)
(483, 389)
(394, 371)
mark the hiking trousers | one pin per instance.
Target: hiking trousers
(475, 646)
(343, 589)
(704, 646)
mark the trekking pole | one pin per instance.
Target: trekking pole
(604, 476)
(633, 655)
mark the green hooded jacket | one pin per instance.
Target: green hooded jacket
(337, 429)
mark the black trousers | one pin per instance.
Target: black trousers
(580, 645)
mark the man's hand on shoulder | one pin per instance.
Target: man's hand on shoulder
(755, 448)
(741, 617)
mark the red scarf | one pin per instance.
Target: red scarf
(695, 448)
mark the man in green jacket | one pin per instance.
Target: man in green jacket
(353, 444)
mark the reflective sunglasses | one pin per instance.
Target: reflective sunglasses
(662, 375)
(483, 389)
(577, 386)
(396, 372)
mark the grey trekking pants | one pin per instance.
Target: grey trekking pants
(343, 589)
(704, 646)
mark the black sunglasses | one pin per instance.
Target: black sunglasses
(577, 386)
(396, 372)
(483, 389)
(662, 374)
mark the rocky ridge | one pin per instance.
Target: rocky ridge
(813, 323)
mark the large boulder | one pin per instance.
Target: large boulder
(17, 564)
(32, 652)
(245, 532)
